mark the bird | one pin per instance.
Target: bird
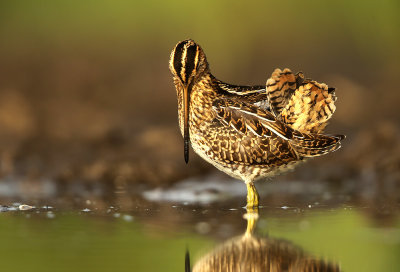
(250, 132)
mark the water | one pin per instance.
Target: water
(156, 237)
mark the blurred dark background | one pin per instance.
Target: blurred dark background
(86, 96)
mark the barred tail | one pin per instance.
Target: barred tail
(302, 104)
(311, 145)
(310, 107)
(305, 106)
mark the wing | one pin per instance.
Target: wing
(280, 87)
(251, 94)
(246, 118)
(276, 138)
(247, 135)
(239, 90)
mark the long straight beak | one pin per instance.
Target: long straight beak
(186, 137)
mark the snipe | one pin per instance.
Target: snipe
(250, 132)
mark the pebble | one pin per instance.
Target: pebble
(24, 207)
(127, 217)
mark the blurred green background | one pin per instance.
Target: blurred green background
(85, 90)
(88, 108)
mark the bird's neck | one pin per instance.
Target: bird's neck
(201, 98)
(202, 95)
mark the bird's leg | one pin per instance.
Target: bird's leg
(252, 196)
(252, 208)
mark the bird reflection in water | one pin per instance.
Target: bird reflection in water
(249, 253)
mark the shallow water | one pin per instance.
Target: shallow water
(155, 237)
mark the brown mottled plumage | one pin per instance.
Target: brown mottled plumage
(250, 132)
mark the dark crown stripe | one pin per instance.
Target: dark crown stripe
(190, 60)
(178, 57)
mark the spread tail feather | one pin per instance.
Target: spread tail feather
(310, 107)
(304, 105)
(311, 145)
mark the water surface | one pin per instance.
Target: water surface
(156, 237)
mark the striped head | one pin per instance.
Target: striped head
(188, 64)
